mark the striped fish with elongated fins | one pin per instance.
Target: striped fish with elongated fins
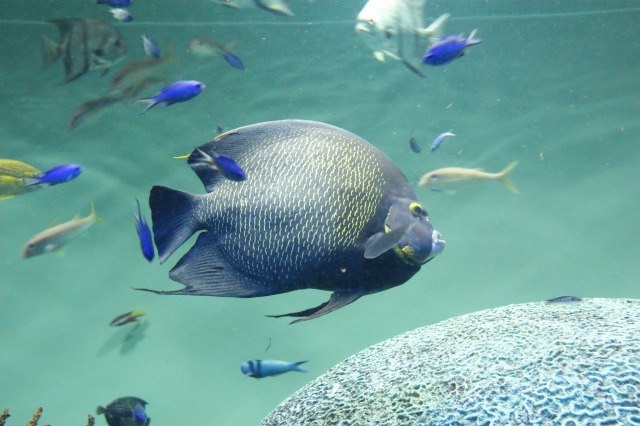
(319, 208)
(450, 177)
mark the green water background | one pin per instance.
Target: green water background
(555, 85)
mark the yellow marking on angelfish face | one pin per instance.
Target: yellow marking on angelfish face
(417, 210)
(182, 156)
(408, 251)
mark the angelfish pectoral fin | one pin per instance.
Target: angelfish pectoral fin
(382, 242)
(339, 299)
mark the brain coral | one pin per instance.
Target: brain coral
(537, 363)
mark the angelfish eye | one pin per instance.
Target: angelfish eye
(417, 210)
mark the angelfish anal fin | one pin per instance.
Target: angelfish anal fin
(339, 299)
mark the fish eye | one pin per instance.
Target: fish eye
(98, 52)
(417, 210)
(388, 33)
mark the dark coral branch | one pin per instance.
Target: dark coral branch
(35, 418)
(5, 415)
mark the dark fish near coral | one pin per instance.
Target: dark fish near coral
(565, 299)
(126, 411)
(58, 174)
(259, 368)
(14, 175)
(144, 234)
(321, 208)
(179, 91)
(85, 45)
(449, 48)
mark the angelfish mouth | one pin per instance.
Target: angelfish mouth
(437, 244)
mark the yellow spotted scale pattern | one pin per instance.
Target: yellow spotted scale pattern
(308, 195)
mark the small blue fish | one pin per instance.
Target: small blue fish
(262, 368)
(565, 299)
(115, 3)
(232, 59)
(180, 91)
(222, 163)
(122, 15)
(449, 48)
(139, 415)
(144, 234)
(439, 139)
(150, 47)
(58, 174)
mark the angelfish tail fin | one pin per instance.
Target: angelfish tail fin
(503, 176)
(174, 221)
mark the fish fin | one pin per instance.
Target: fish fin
(206, 171)
(6, 197)
(173, 219)
(412, 67)
(339, 299)
(203, 272)
(50, 51)
(503, 176)
(471, 40)
(296, 366)
(435, 29)
(169, 56)
(384, 241)
(152, 102)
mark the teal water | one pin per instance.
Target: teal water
(555, 85)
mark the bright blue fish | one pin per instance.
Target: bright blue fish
(59, 174)
(115, 3)
(449, 48)
(232, 59)
(144, 234)
(439, 139)
(139, 415)
(222, 163)
(262, 368)
(180, 91)
(150, 47)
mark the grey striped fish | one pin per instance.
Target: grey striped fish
(320, 208)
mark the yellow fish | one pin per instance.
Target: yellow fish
(12, 178)
(51, 239)
(449, 177)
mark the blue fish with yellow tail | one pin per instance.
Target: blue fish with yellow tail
(180, 91)
(259, 368)
(321, 208)
(449, 48)
(144, 234)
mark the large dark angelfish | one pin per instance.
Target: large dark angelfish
(320, 208)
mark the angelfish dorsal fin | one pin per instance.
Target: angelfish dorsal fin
(384, 241)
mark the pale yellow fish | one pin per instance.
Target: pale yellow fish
(12, 178)
(449, 177)
(51, 239)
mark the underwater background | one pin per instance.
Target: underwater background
(555, 85)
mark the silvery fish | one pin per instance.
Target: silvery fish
(450, 177)
(259, 368)
(395, 29)
(204, 47)
(133, 73)
(279, 7)
(320, 208)
(51, 239)
(85, 45)
(439, 139)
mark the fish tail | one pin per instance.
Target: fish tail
(151, 103)
(94, 215)
(296, 366)
(503, 176)
(50, 51)
(174, 221)
(100, 410)
(471, 40)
